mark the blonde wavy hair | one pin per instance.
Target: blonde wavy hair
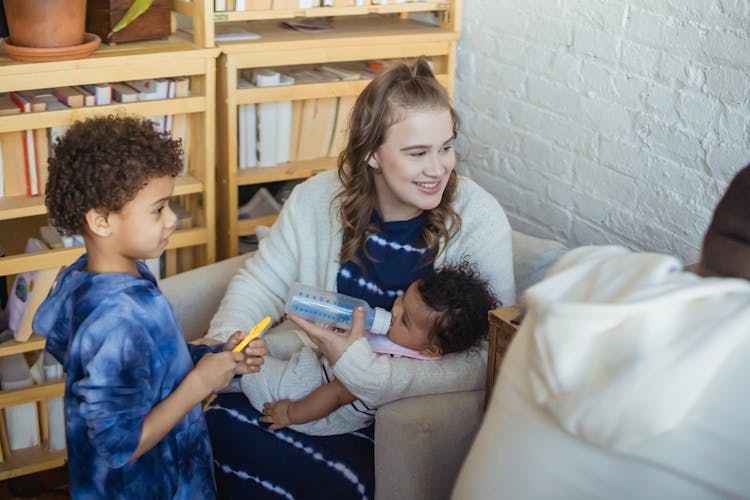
(402, 88)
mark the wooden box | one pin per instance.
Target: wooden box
(103, 15)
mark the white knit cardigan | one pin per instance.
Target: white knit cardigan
(304, 245)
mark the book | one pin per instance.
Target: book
(51, 237)
(122, 92)
(180, 122)
(152, 89)
(301, 76)
(227, 33)
(267, 118)
(21, 421)
(102, 92)
(185, 256)
(29, 147)
(247, 155)
(345, 105)
(284, 124)
(89, 99)
(69, 96)
(12, 150)
(27, 293)
(2, 179)
(257, 5)
(39, 100)
(171, 93)
(317, 120)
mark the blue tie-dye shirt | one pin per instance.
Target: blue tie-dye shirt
(123, 352)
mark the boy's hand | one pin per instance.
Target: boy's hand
(277, 414)
(253, 353)
(214, 371)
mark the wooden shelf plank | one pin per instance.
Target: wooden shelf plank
(246, 227)
(34, 343)
(252, 15)
(37, 392)
(62, 257)
(307, 91)
(285, 172)
(46, 119)
(176, 56)
(13, 207)
(350, 37)
(30, 460)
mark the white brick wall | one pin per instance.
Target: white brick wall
(606, 121)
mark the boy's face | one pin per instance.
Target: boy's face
(142, 227)
(412, 320)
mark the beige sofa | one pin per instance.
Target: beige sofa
(420, 442)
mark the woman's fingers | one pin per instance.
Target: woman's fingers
(358, 324)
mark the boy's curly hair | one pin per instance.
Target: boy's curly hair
(102, 163)
(463, 301)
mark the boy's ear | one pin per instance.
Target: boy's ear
(98, 223)
(431, 351)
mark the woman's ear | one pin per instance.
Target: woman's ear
(372, 162)
(98, 223)
(431, 351)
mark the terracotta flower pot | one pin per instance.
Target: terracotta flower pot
(46, 23)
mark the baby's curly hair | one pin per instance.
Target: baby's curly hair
(102, 163)
(463, 301)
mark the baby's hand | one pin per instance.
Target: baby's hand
(277, 414)
(215, 371)
(253, 353)
(253, 357)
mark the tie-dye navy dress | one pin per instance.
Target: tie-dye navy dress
(254, 462)
(123, 352)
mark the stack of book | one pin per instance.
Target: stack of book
(273, 133)
(24, 154)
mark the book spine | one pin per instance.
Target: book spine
(29, 148)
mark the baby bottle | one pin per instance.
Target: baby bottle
(334, 309)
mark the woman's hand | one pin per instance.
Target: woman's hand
(331, 344)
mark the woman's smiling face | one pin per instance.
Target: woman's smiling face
(414, 163)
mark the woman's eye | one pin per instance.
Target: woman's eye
(418, 155)
(448, 148)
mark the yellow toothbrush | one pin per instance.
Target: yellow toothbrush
(255, 332)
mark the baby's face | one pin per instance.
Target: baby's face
(411, 320)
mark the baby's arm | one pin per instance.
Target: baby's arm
(318, 404)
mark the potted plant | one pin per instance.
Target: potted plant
(47, 30)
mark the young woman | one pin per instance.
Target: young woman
(396, 210)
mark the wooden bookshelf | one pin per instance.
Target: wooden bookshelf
(357, 35)
(200, 14)
(21, 216)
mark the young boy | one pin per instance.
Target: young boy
(134, 424)
(442, 313)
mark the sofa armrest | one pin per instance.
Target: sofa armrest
(532, 257)
(421, 442)
(196, 294)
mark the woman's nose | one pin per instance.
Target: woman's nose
(436, 166)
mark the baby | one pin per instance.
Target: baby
(442, 313)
